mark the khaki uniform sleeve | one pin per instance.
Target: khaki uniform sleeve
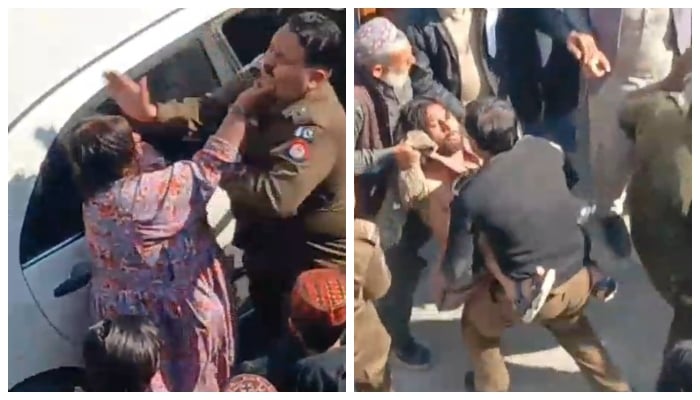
(299, 166)
(194, 113)
(374, 277)
(378, 277)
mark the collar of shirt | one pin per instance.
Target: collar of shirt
(322, 92)
(454, 13)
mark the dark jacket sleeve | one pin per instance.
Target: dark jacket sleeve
(570, 173)
(580, 20)
(558, 24)
(368, 161)
(201, 116)
(422, 75)
(459, 255)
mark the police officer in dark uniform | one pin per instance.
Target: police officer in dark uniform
(288, 191)
(659, 197)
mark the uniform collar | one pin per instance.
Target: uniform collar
(323, 92)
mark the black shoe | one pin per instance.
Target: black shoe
(469, 382)
(413, 355)
(617, 236)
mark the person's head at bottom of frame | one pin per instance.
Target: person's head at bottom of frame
(317, 317)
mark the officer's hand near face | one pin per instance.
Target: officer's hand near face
(133, 98)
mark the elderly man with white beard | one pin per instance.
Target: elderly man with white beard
(383, 62)
(383, 59)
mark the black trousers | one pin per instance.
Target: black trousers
(406, 267)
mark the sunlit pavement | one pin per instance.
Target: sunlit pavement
(633, 328)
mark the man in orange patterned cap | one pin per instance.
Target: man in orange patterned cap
(318, 321)
(318, 308)
(249, 383)
(311, 357)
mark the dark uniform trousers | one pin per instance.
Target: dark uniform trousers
(406, 266)
(273, 269)
(487, 313)
(659, 197)
(287, 193)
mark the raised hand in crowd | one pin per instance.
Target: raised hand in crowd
(133, 98)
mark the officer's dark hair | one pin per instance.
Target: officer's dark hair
(317, 336)
(121, 354)
(676, 371)
(492, 123)
(319, 36)
(100, 149)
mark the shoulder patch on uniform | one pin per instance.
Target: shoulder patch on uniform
(298, 150)
(305, 133)
(299, 114)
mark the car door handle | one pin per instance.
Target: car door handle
(80, 276)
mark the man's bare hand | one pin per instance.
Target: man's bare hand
(597, 66)
(405, 156)
(133, 98)
(583, 46)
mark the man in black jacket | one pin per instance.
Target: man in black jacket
(520, 201)
(542, 72)
(453, 56)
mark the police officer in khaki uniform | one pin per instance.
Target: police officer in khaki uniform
(372, 341)
(288, 191)
(659, 198)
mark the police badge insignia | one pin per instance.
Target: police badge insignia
(304, 133)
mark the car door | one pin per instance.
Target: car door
(51, 249)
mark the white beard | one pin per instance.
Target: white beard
(395, 80)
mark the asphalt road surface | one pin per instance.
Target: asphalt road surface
(633, 328)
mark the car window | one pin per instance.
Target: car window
(53, 217)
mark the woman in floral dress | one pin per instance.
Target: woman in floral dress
(153, 251)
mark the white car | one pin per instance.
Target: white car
(56, 61)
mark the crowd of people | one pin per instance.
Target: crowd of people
(161, 292)
(468, 127)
